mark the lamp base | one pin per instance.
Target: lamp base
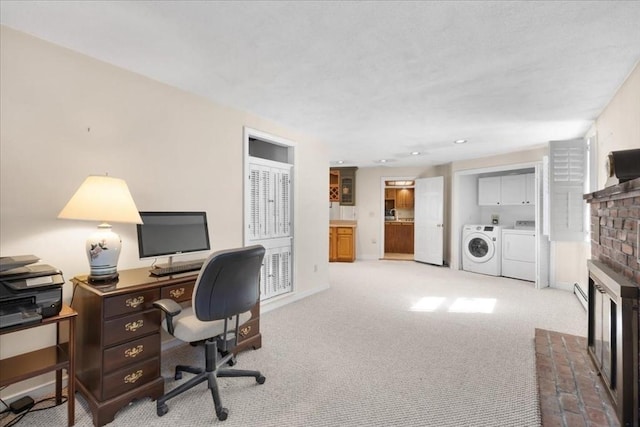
(103, 279)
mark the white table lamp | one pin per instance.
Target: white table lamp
(104, 199)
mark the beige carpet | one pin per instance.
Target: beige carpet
(390, 344)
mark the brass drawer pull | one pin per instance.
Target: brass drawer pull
(176, 293)
(245, 331)
(133, 377)
(134, 351)
(134, 326)
(134, 302)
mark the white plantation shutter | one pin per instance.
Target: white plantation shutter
(567, 176)
(269, 222)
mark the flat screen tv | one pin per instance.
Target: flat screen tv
(172, 233)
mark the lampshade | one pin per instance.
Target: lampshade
(104, 199)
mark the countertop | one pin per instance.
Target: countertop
(343, 223)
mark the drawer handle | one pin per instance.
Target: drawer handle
(245, 331)
(134, 302)
(134, 326)
(176, 293)
(133, 377)
(134, 351)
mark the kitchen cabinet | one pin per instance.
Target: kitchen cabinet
(342, 246)
(334, 185)
(398, 237)
(346, 185)
(507, 190)
(389, 193)
(404, 198)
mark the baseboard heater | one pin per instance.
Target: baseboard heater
(581, 295)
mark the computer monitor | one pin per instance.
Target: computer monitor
(172, 233)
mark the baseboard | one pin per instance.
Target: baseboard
(563, 286)
(282, 300)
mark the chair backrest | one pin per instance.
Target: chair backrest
(228, 283)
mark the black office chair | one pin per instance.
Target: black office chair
(227, 287)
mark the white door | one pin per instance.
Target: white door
(428, 220)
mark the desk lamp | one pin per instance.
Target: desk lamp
(105, 199)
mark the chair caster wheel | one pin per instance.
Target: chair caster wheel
(261, 379)
(223, 414)
(232, 361)
(162, 409)
(177, 376)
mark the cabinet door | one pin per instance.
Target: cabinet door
(489, 191)
(513, 189)
(332, 244)
(345, 248)
(389, 193)
(530, 192)
(275, 275)
(404, 198)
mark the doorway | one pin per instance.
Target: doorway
(397, 204)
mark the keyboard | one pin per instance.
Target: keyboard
(177, 268)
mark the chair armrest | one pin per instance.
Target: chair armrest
(170, 309)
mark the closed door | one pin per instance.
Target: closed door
(429, 220)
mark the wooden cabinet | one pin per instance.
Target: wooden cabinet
(119, 339)
(507, 190)
(404, 198)
(347, 185)
(398, 237)
(334, 185)
(389, 193)
(342, 246)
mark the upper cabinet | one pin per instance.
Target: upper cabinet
(346, 178)
(404, 198)
(507, 190)
(334, 185)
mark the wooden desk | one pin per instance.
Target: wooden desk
(55, 358)
(119, 340)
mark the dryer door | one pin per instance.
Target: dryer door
(479, 247)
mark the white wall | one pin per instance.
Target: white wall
(66, 116)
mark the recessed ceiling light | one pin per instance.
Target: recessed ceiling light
(459, 141)
(415, 153)
(340, 162)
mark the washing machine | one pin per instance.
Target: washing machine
(481, 249)
(519, 251)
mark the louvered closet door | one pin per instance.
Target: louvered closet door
(567, 175)
(269, 223)
(276, 272)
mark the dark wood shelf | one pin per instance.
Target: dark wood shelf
(49, 359)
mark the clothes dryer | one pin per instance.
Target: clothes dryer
(519, 251)
(481, 249)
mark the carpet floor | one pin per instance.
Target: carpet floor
(389, 344)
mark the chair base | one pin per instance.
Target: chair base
(209, 374)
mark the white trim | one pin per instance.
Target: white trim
(563, 286)
(282, 300)
(381, 230)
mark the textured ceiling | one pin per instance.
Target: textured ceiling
(375, 79)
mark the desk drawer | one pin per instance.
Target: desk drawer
(130, 303)
(178, 293)
(130, 327)
(130, 377)
(130, 352)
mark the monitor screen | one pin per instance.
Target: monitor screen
(172, 233)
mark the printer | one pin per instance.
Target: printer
(29, 292)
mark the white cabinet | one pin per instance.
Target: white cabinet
(489, 191)
(268, 222)
(507, 190)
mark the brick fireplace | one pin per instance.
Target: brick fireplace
(614, 294)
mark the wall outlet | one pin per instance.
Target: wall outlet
(495, 219)
(373, 241)
(315, 268)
